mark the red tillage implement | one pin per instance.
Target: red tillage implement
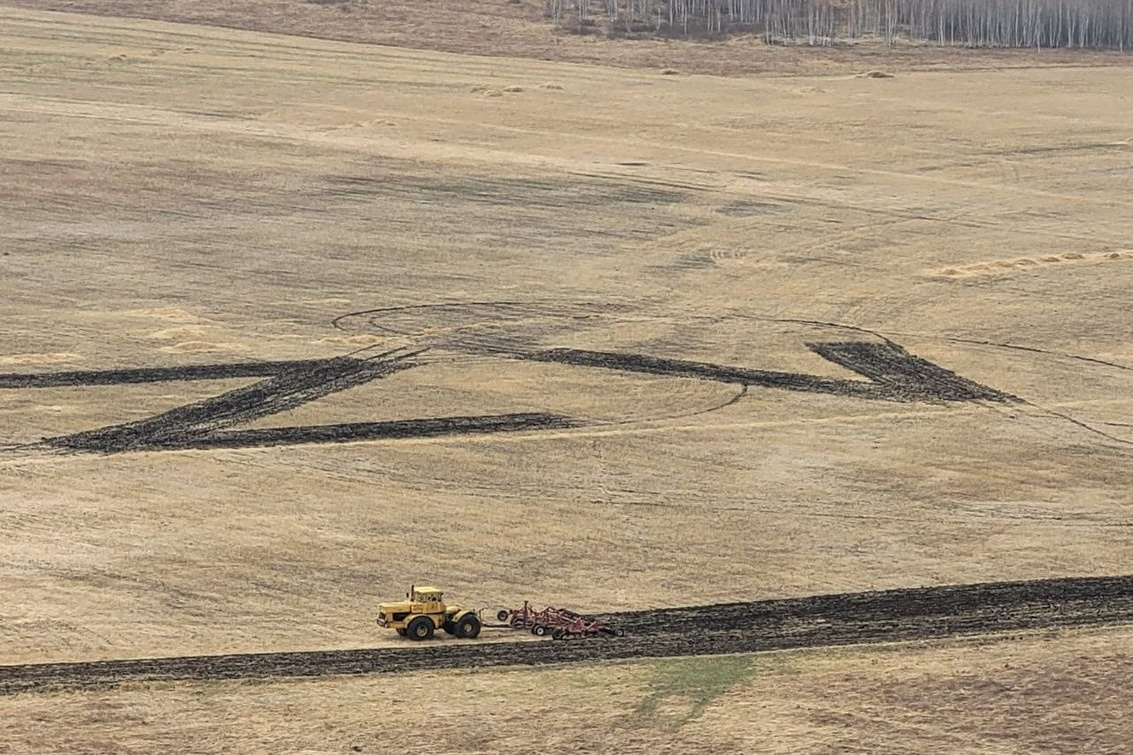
(560, 623)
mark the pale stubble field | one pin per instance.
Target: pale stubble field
(176, 195)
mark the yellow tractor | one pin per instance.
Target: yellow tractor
(423, 612)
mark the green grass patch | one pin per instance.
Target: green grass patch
(695, 682)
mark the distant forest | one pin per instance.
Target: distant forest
(1101, 24)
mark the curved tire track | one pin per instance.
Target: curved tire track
(818, 621)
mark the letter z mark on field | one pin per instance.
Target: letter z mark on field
(891, 374)
(205, 424)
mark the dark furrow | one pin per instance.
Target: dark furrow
(154, 374)
(357, 431)
(907, 602)
(824, 620)
(180, 427)
(703, 371)
(893, 374)
(892, 366)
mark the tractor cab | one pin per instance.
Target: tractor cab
(418, 601)
(430, 598)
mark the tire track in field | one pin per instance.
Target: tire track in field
(810, 622)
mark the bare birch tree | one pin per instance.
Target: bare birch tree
(970, 23)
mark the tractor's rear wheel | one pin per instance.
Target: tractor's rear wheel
(420, 628)
(468, 627)
(401, 631)
(449, 627)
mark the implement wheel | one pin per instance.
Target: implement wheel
(539, 630)
(420, 628)
(468, 628)
(502, 614)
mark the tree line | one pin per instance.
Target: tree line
(1101, 24)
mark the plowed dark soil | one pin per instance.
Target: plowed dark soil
(825, 620)
(193, 424)
(348, 432)
(893, 373)
(155, 374)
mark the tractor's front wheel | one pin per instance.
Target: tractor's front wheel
(420, 628)
(468, 627)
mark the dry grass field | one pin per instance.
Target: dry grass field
(177, 195)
